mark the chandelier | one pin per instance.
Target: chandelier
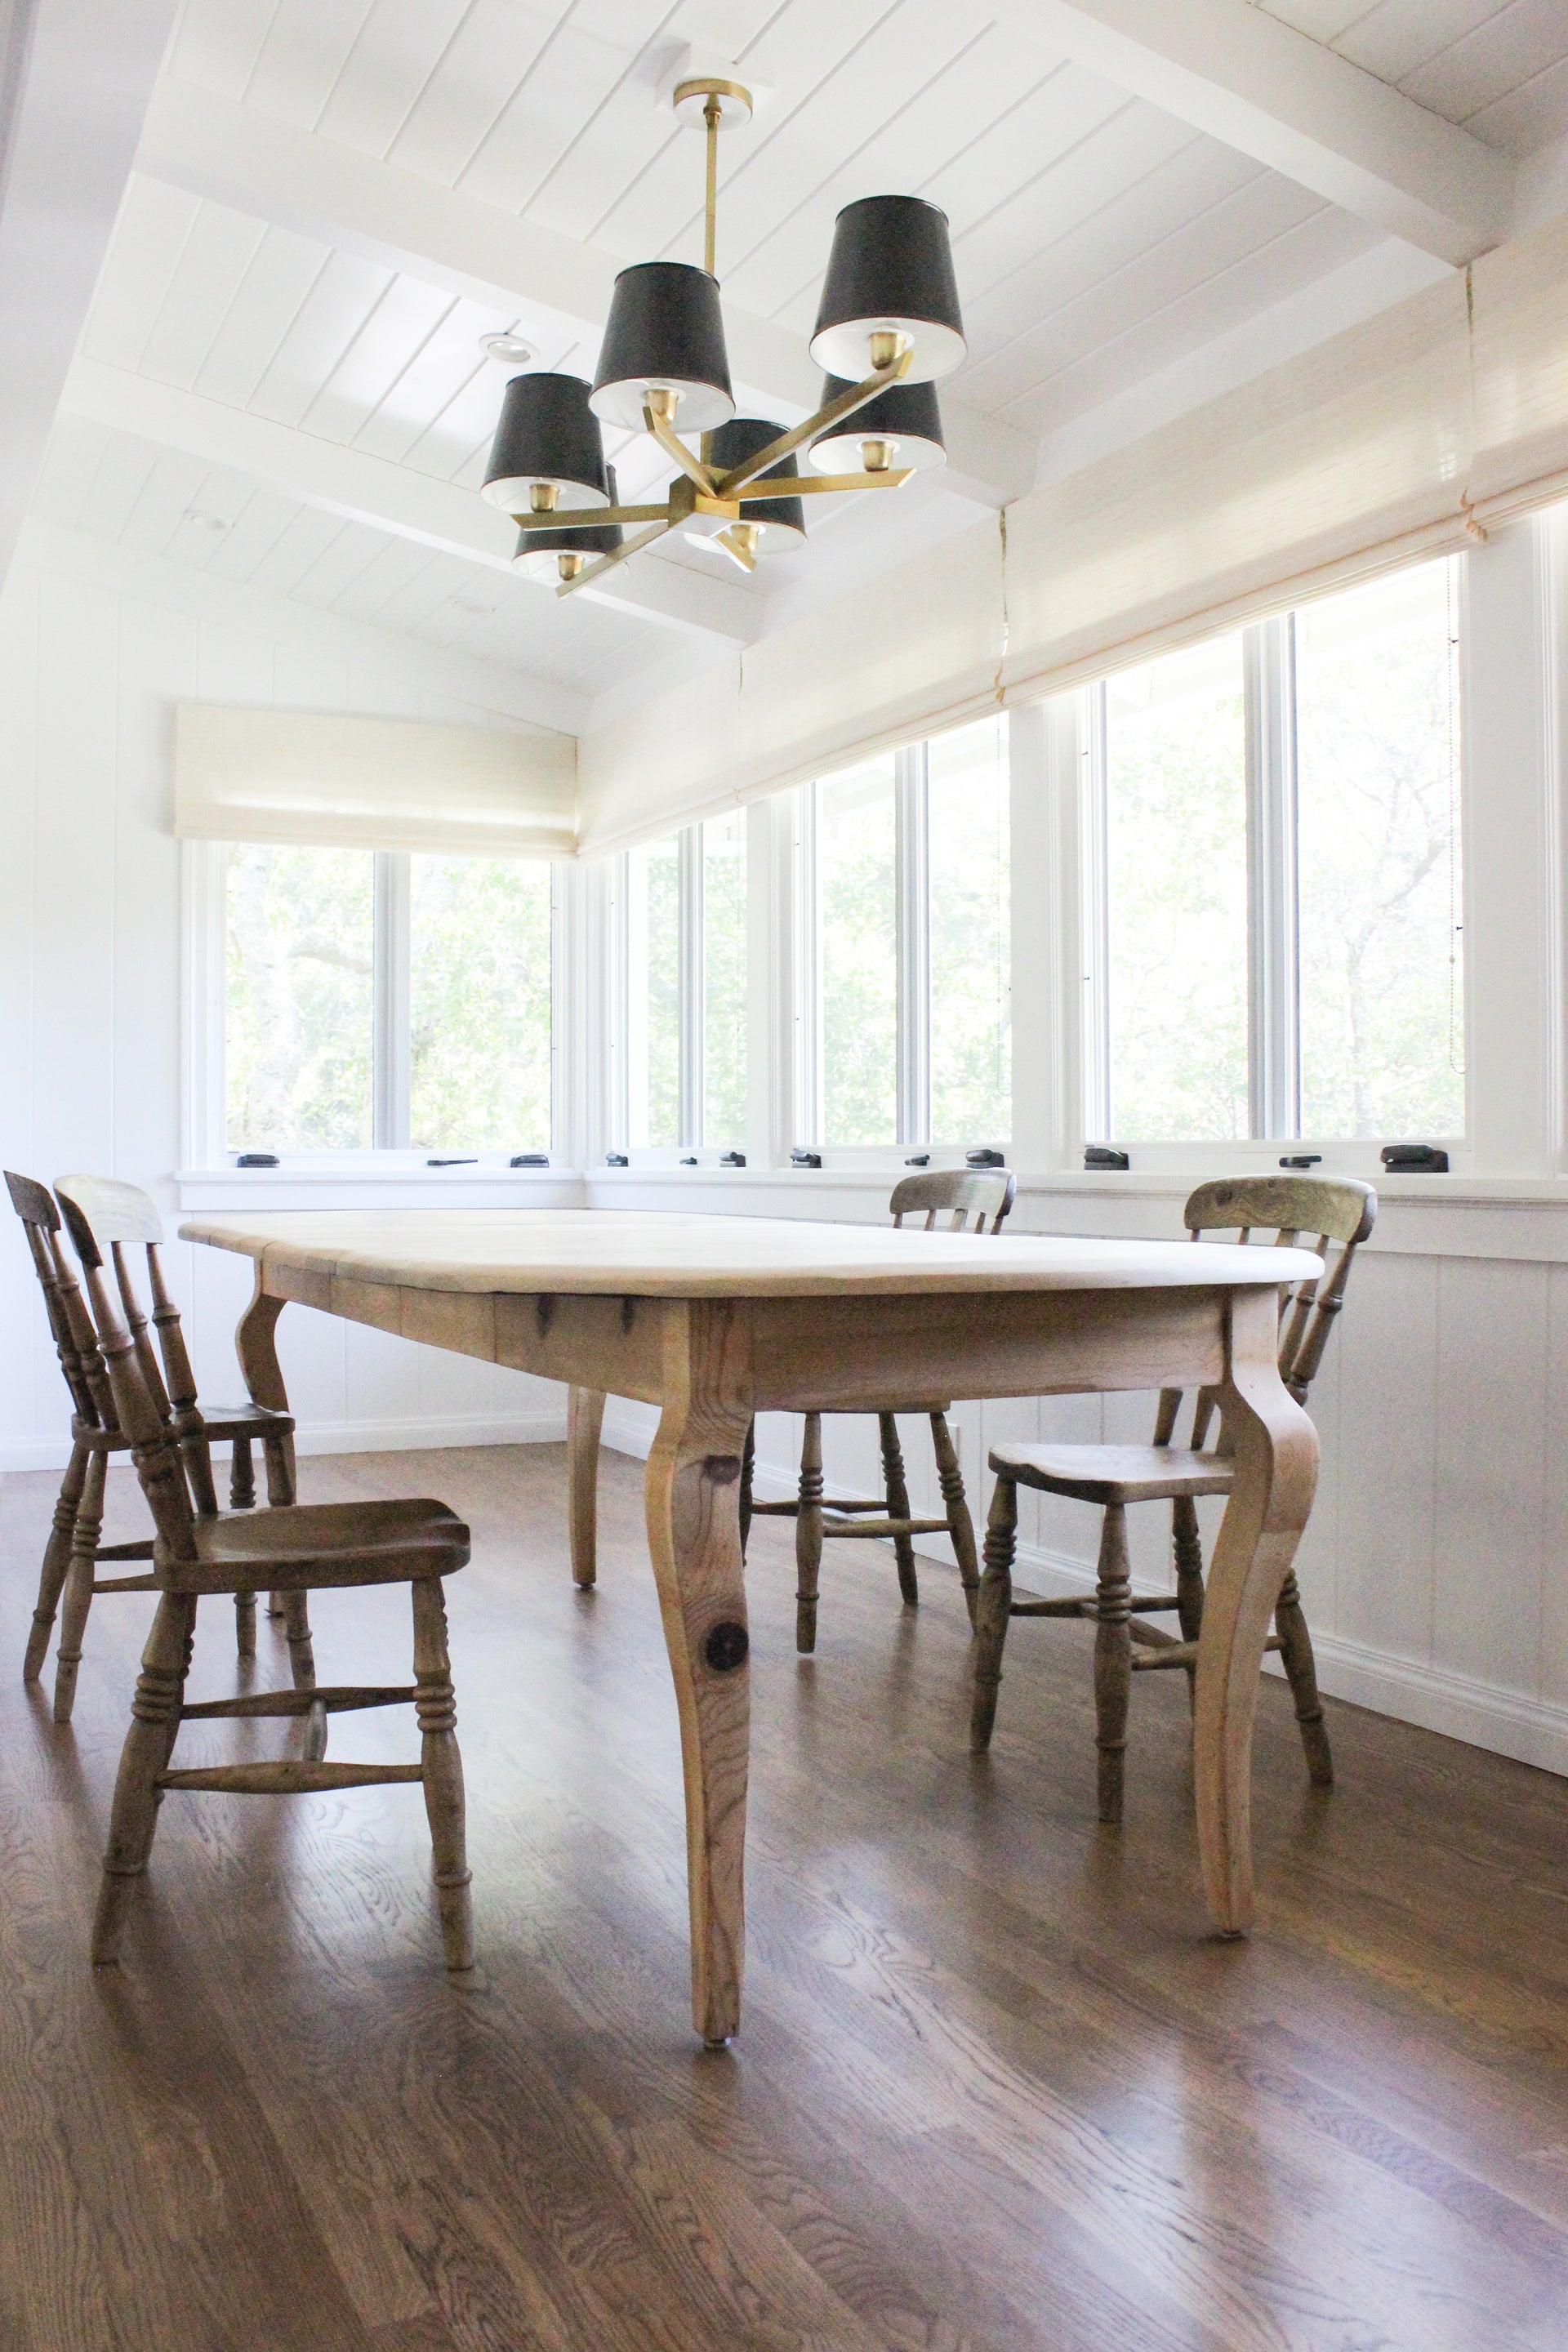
(887, 326)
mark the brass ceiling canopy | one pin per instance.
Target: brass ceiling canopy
(888, 309)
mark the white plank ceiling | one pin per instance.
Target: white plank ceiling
(1097, 240)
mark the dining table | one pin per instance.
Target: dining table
(714, 1318)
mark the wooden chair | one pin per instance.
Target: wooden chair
(1335, 1210)
(294, 1549)
(961, 1194)
(73, 1553)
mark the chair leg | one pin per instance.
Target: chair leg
(296, 1626)
(808, 1536)
(960, 1526)
(241, 1478)
(89, 1527)
(897, 1494)
(1112, 1658)
(278, 1453)
(748, 1474)
(155, 1720)
(245, 1624)
(993, 1607)
(56, 1561)
(1186, 1544)
(443, 1770)
(1295, 1657)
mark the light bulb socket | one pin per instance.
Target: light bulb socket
(781, 521)
(890, 272)
(548, 438)
(665, 331)
(906, 417)
(539, 551)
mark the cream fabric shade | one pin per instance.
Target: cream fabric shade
(372, 784)
(1521, 344)
(918, 649)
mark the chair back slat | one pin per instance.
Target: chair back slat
(1330, 1208)
(154, 1449)
(985, 1194)
(70, 1325)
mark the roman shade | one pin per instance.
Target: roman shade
(1404, 437)
(372, 784)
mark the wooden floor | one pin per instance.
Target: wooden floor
(996, 2087)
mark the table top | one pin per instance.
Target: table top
(666, 1254)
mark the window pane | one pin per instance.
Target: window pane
(1176, 887)
(856, 859)
(971, 1032)
(724, 979)
(653, 993)
(302, 967)
(479, 1003)
(1377, 703)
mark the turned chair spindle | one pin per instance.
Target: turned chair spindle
(1334, 1210)
(68, 1580)
(291, 1549)
(972, 1200)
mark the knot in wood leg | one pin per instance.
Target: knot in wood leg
(727, 1646)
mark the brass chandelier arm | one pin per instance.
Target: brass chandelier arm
(608, 562)
(809, 484)
(670, 441)
(592, 517)
(845, 406)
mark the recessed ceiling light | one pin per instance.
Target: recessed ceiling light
(511, 350)
(201, 520)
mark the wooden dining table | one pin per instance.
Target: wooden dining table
(715, 1319)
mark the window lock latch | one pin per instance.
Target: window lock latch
(529, 1159)
(1303, 1159)
(733, 1159)
(1419, 1159)
(801, 1159)
(1104, 1155)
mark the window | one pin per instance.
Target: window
(379, 999)
(687, 998)
(1277, 930)
(913, 960)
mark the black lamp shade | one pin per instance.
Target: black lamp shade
(547, 434)
(781, 522)
(906, 416)
(666, 331)
(537, 550)
(891, 268)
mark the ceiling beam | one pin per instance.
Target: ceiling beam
(390, 497)
(75, 78)
(1230, 69)
(212, 147)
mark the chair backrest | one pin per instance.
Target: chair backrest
(1306, 1211)
(141, 1404)
(122, 1217)
(70, 1325)
(984, 1193)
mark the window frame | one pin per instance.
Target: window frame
(203, 1124)
(1273, 946)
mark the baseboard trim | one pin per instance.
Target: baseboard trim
(546, 1428)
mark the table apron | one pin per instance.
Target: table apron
(839, 1353)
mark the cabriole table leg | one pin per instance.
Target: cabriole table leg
(693, 1492)
(1276, 1449)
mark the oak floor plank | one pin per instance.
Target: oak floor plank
(998, 2091)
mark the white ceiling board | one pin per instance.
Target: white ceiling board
(1497, 67)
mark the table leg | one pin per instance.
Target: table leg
(693, 1491)
(1275, 1450)
(584, 1420)
(256, 1345)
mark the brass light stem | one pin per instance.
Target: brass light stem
(888, 345)
(542, 498)
(876, 455)
(711, 115)
(569, 563)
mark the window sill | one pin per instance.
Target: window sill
(342, 1184)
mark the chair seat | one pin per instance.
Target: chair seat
(1115, 1473)
(247, 1420)
(307, 1545)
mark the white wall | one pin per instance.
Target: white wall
(90, 953)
